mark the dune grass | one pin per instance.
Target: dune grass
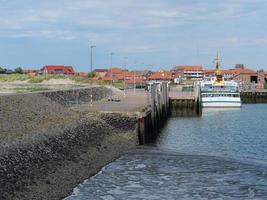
(39, 79)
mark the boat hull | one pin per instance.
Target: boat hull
(221, 102)
(221, 105)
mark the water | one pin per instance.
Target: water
(236, 133)
(221, 155)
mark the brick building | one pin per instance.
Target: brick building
(161, 76)
(57, 70)
(189, 72)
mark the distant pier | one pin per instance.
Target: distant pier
(256, 96)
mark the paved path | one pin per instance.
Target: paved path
(132, 101)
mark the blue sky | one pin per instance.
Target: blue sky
(155, 34)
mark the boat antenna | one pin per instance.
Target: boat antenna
(217, 62)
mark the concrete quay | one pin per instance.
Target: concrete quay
(184, 103)
(129, 102)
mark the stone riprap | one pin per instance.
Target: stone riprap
(120, 121)
(47, 149)
(24, 113)
(77, 96)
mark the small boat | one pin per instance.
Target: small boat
(217, 92)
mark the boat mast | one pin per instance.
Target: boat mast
(217, 62)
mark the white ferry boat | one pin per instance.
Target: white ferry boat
(217, 92)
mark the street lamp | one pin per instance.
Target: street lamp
(125, 66)
(134, 76)
(91, 91)
(92, 46)
(111, 60)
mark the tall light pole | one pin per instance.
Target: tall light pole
(111, 63)
(134, 76)
(92, 46)
(91, 96)
(111, 74)
(125, 66)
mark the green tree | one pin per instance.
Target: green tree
(2, 70)
(18, 70)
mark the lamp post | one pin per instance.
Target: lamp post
(111, 63)
(124, 84)
(92, 46)
(91, 96)
(134, 76)
(111, 74)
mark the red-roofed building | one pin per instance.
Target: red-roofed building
(58, 70)
(247, 76)
(161, 76)
(124, 75)
(138, 83)
(83, 74)
(242, 75)
(107, 77)
(30, 72)
(189, 72)
(228, 74)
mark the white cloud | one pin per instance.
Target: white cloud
(115, 21)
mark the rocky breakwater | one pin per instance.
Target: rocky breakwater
(77, 96)
(46, 149)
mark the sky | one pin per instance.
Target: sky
(151, 34)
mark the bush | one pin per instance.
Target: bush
(18, 70)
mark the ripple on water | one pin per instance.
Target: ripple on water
(151, 174)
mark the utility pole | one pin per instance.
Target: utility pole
(91, 96)
(92, 46)
(111, 63)
(111, 73)
(134, 82)
(134, 76)
(124, 85)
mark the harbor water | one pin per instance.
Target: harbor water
(220, 155)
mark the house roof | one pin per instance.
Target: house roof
(189, 67)
(116, 70)
(161, 75)
(101, 70)
(107, 78)
(224, 71)
(135, 81)
(51, 68)
(234, 72)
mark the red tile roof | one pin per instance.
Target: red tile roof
(135, 81)
(189, 68)
(234, 72)
(116, 70)
(161, 75)
(106, 78)
(51, 69)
